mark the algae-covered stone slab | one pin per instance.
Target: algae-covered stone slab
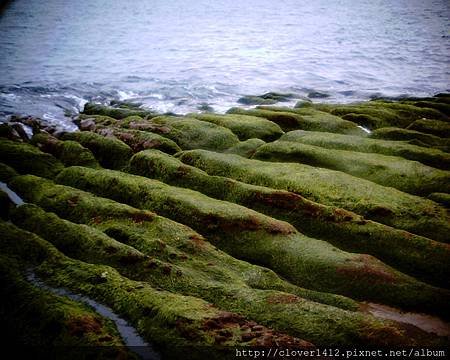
(377, 114)
(116, 112)
(434, 127)
(393, 171)
(217, 283)
(190, 133)
(109, 151)
(415, 255)
(251, 236)
(27, 159)
(412, 136)
(246, 148)
(312, 120)
(244, 126)
(142, 140)
(329, 187)
(171, 321)
(171, 245)
(428, 156)
(39, 318)
(69, 152)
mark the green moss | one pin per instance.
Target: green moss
(441, 198)
(244, 126)
(431, 157)
(254, 237)
(393, 171)
(415, 255)
(116, 112)
(413, 137)
(246, 148)
(110, 152)
(36, 317)
(304, 118)
(70, 153)
(77, 241)
(142, 140)
(173, 322)
(6, 172)
(130, 225)
(27, 159)
(190, 133)
(200, 271)
(434, 127)
(328, 187)
(377, 114)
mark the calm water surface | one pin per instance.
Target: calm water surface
(176, 55)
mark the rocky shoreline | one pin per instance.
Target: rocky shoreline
(264, 227)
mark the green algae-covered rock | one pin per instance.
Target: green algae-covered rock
(39, 318)
(252, 236)
(6, 172)
(70, 153)
(173, 244)
(414, 137)
(190, 133)
(434, 127)
(109, 151)
(187, 276)
(305, 119)
(171, 321)
(415, 255)
(179, 267)
(154, 235)
(27, 159)
(244, 126)
(431, 157)
(245, 148)
(393, 171)
(116, 112)
(142, 140)
(377, 114)
(382, 204)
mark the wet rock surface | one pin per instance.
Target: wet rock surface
(265, 227)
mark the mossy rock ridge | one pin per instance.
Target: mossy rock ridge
(375, 202)
(415, 255)
(69, 152)
(253, 237)
(245, 127)
(378, 114)
(286, 312)
(27, 159)
(109, 151)
(428, 156)
(171, 321)
(305, 119)
(413, 137)
(392, 171)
